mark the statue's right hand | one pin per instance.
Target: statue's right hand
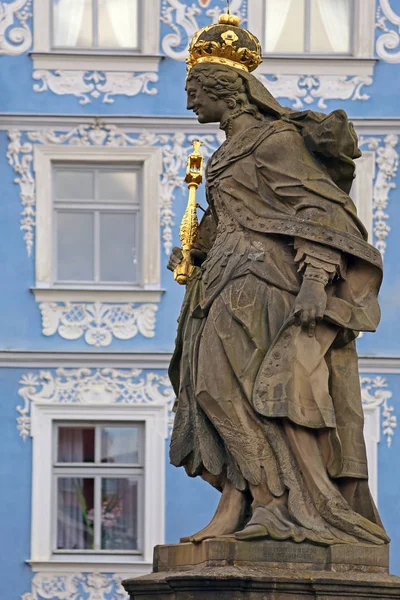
(175, 259)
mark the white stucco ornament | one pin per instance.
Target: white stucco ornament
(97, 322)
(92, 386)
(388, 42)
(15, 31)
(87, 85)
(76, 586)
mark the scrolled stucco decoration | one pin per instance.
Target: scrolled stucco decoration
(175, 149)
(387, 162)
(15, 38)
(183, 19)
(86, 85)
(304, 90)
(92, 386)
(376, 395)
(76, 586)
(97, 322)
(388, 42)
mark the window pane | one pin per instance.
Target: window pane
(120, 445)
(74, 246)
(118, 245)
(75, 445)
(285, 26)
(75, 510)
(72, 26)
(119, 514)
(331, 22)
(118, 23)
(74, 185)
(119, 186)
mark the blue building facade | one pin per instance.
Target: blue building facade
(94, 137)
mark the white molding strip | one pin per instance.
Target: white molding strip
(164, 124)
(126, 360)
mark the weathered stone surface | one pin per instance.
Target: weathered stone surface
(225, 569)
(249, 583)
(271, 554)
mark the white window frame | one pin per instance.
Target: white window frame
(43, 416)
(147, 59)
(361, 62)
(362, 192)
(150, 157)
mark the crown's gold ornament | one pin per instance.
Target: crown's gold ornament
(190, 225)
(225, 43)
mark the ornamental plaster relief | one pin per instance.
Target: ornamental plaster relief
(388, 42)
(387, 163)
(307, 90)
(15, 32)
(175, 149)
(98, 323)
(76, 586)
(87, 85)
(92, 386)
(375, 396)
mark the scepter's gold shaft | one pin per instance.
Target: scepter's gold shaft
(190, 224)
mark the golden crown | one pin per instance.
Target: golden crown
(225, 43)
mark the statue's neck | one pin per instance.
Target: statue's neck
(235, 126)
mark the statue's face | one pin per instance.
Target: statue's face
(206, 109)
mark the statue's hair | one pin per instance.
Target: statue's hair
(225, 83)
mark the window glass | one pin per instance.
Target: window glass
(72, 23)
(75, 513)
(308, 26)
(120, 445)
(285, 26)
(97, 224)
(118, 186)
(119, 510)
(76, 445)
(118, 247)
(74, 185)
(75, 246)
(95, 24)
(117, 26)
(330, 26)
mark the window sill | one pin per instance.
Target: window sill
(85, 564)
(95, 61)
(118, 295)
(317, 65)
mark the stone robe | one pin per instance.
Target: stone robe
(257, 397)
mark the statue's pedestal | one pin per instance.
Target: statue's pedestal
(225, 569)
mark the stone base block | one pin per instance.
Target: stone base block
(225, 569)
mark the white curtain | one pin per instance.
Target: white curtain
(68, 16)
(336, 16)
(277, 13)
(123, 18)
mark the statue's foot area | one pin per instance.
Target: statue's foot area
(272, 521)
(229, 517)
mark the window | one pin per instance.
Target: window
(298, 35)
(98, 235)
(96, 24)
(97, 224)
(97, 35)
(309, 26)
(98, 487)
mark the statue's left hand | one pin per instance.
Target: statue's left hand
(310, 305)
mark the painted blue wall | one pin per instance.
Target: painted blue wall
(190, 503)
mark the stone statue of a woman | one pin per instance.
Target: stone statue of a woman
(265, 368)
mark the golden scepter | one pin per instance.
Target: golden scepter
(190, 224)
